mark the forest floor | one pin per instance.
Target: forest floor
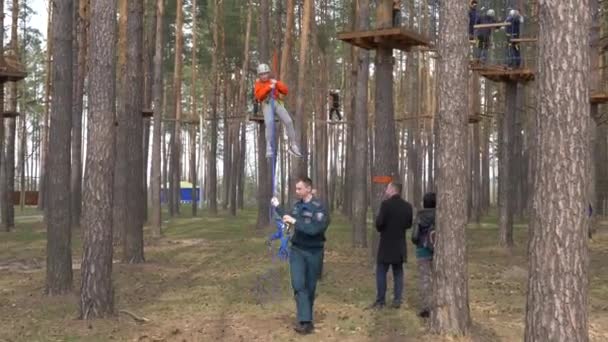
(213, 279)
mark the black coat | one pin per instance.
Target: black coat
(394, 217)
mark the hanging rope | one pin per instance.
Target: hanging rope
(282, 229)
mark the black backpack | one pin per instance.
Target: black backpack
(426, 239)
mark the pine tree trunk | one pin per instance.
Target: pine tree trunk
(23, 138)
(194, 111)
(348, 133)
(227, 168)
(299, 166)
(176, 148)
(359, 156)
(59, 234)
(11, 127)
(519, 164)
(45, 121)
(475, 189)
(507, 186)
(450, 314)
(80, 57)
(239, 155)
(121, 195)
(155, 174)
(133, 242)
(321, 139)
(212, 178)
(557, 303)
(242, 173)
(148, 61)
(96, 292)
(385, 162)
(264, 192)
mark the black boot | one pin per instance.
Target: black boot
(304, 328)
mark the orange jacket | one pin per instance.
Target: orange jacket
(262, 89)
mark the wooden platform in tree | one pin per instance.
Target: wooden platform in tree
(147, 113)
(492, 25)
(399, 38)
(599, 97)
(10, 114)
(502, 74)
(11, 70)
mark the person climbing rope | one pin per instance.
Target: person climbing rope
(267, 92)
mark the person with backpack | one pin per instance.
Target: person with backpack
(423, 236)
(394, 218)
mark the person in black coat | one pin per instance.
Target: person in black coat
(394, 217)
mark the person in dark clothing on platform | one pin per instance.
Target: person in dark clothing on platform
(483, 35)
(394, 217)
(513, 32)
(310, 221)
(472, 18)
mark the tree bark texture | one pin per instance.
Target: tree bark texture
(133, 242)
(176, 147)
(385, 140)
(450, 314)
(80, 55)
(506, 173)
(155, 174)
(359, 156)
(557, 303)
(59, 234)
(96, 291)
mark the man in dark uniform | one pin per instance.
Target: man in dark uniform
(472, 18)
(394, 217)
(309, 219)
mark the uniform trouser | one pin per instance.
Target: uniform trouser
(381, 271)
(283, 115)
(304, 266)
(425, 285)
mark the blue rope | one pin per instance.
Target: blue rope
(281, 232)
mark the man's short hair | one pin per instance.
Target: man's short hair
(397, 186)
(305, 180)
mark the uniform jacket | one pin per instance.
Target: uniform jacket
(312, 221)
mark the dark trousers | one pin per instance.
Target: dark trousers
(381, 271)
(514, 55)
(305, 265)
(483, 44)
